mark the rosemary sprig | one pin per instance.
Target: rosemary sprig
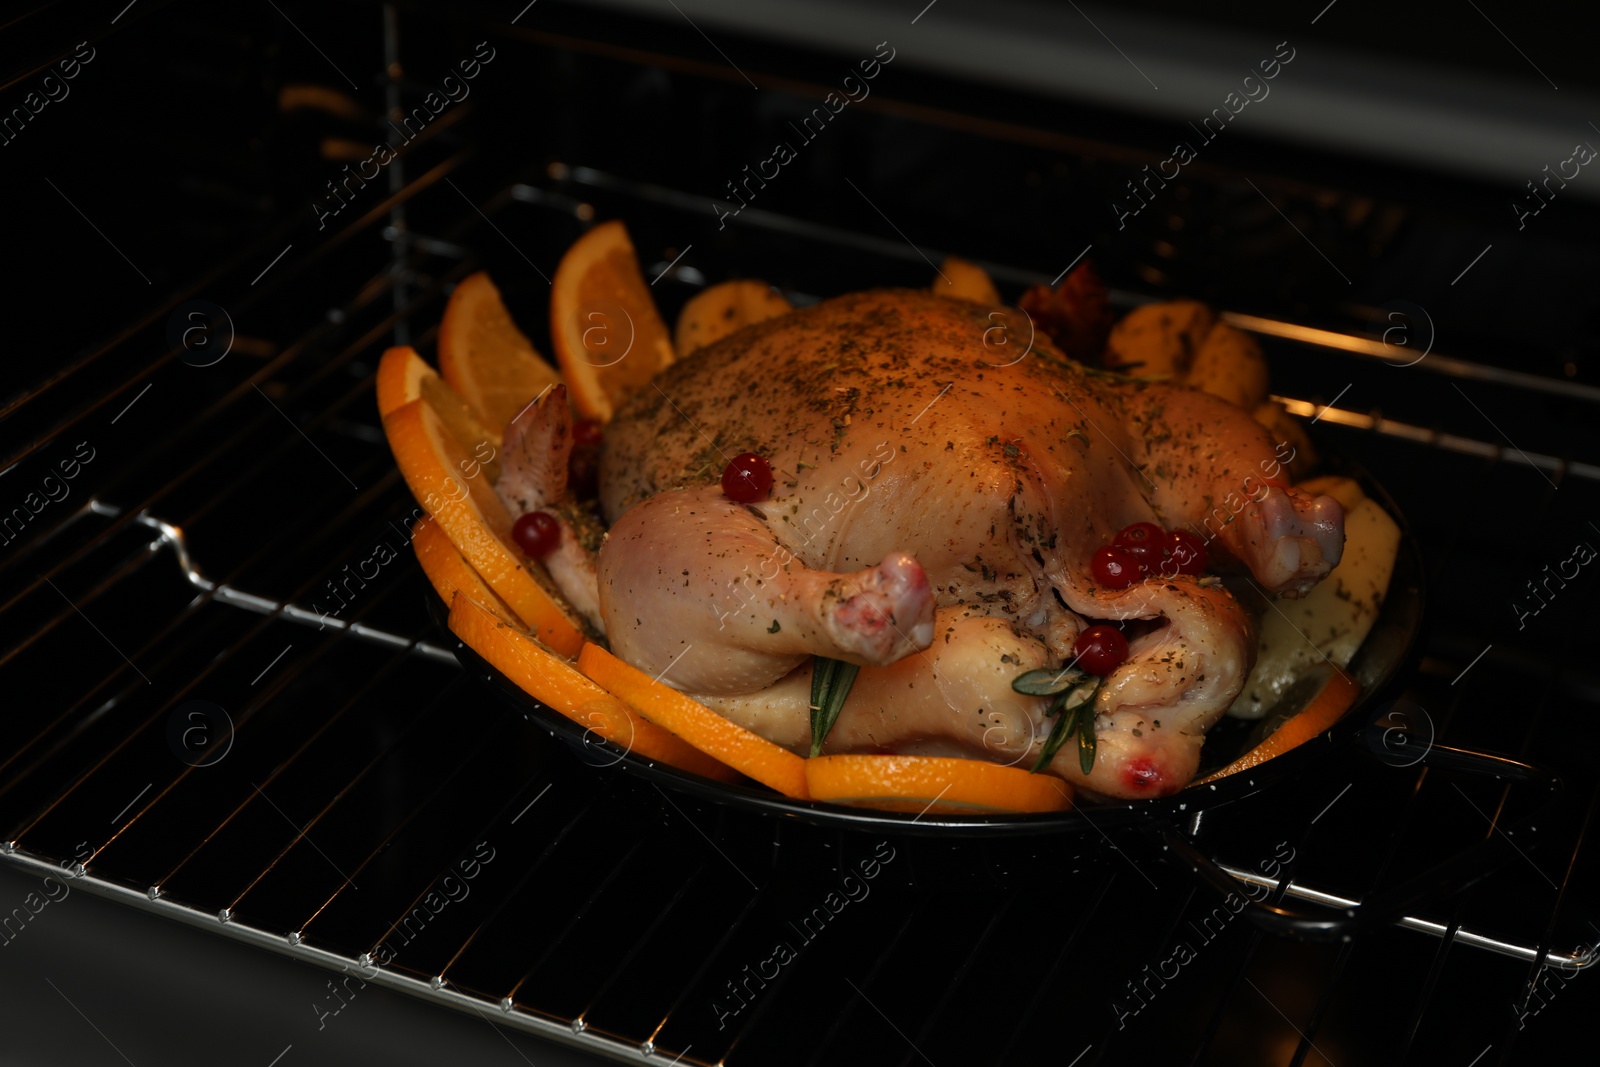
(1086, 738)
(1048, 681)
(1066, 722)
(831, 680)
(1073, 708)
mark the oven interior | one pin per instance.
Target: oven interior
(199, 725)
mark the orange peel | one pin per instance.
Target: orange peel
(558, 685)
(941, 784)
(486, 358)
(607, 333)
(1327, 707)
(447, 483)
(750, 753)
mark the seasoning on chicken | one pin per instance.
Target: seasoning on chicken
(933, 520)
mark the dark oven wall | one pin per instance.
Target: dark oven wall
(203, 291)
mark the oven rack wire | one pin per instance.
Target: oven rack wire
(98, 551)
(171, 536)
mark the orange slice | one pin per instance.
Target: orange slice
(607, 333)
(767, 763)
(933, 783)
(400, 375)
(485, 358)
(556, 684)
(1338, 692)
(451, 486)
(403, 377)
(450, 573)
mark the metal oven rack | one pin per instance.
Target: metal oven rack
(366, 771)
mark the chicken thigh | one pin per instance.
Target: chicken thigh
(932, 519)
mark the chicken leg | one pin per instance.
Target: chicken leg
(696, 582)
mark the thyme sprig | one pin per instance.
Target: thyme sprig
(1073, 708)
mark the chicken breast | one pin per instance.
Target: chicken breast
(932, 519)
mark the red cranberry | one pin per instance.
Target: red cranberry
(586, 432)
(747, 478)
(537, 533)
(1114, 568)
(1145, 542)
(1101, 649)
(1188, 552)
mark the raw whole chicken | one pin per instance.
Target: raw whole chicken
(932, 519)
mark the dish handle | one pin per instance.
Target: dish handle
(1291, 911)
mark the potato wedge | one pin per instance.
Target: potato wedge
(1347, 491)
(967, 281)
(1183, 341)
(1284, 427)
(1229, 364)
(1161, 339)
(716, 312)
